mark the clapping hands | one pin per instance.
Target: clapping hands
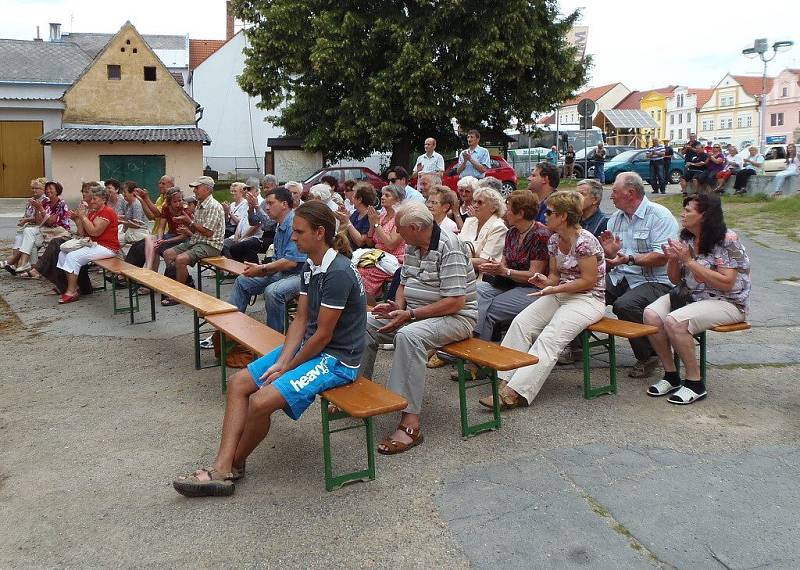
(677, 250)
(611, 244)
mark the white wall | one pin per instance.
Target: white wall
(236, 126)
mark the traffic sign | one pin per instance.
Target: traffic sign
(586, 107)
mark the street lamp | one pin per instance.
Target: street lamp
(760, 49)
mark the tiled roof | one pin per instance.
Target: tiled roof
(178, 77)
(94, 43)
(155, 134)
(752, 85)
(632, 101)
(41, 62)
(594, 94)
(200, 50)
(703, 95)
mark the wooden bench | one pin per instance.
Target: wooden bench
(201, 303)
(117, 266)
(612, 328)
(700, 339)
(225, 269)
(362, 400)
(489, 357)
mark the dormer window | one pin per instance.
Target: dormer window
(149, 73)
(114, 72)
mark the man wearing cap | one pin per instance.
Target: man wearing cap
(205, 232)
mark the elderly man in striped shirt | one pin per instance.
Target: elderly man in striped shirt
(436, 304)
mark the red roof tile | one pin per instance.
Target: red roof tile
(594, 94)
(703, 95)
(752, 85)
(200, 50)
(632, 101)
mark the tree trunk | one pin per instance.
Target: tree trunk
(401, 154)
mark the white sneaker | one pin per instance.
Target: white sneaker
(207, 343)
(662, 388)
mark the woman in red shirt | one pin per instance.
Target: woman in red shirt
(100, 224)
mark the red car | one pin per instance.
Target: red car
(500, 169)
(342, 173)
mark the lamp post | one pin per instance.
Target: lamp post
(760, 49)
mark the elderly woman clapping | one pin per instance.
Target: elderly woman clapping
(29, 217)
(715, 268)
(484, 232)
(98, 222)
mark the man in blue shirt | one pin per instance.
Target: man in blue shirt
(543, 181)
(399, 176)
(636, 264)
(552, 156)
(658, 178)
(279, 279)
(475, 160)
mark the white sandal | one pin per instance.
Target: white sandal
(662, 388)
(686, 396)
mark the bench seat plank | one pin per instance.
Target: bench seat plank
(489, 354)
(225, 264)
(200, 302)
(625, 329)
(115, 265)
(732, 327)
(247, 331)
(364, 399)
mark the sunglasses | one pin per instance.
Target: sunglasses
(391, 180)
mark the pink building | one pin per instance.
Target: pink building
(783, 107)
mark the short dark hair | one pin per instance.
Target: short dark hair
(330, 180)
(365, 192)
(523, 202)
(549, 171)
(282, 194)
(57, 185)
(113, 182)
(129, 185)
(401, 172)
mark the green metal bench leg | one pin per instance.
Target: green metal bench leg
(334, 482)
(199, 276)
(223, 359)
(196, 326)
(496, 422)
(609, 347)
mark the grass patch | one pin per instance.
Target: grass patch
(751, 215)
(564, 184)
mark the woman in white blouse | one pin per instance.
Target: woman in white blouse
(442, 202)
(485, 233)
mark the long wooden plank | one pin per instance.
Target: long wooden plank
(224, 263)
(247, 331)
(625, 329)
(201, 302)
(735, 327)
(115, 265)
(364, 399)
(488, 354)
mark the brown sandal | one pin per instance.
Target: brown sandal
(393, 447)
(507, 401)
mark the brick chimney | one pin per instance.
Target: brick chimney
(228, 20)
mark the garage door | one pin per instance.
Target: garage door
(21, 157)
(144, 169)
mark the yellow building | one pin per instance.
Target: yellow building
(654, 103)
(126, 117)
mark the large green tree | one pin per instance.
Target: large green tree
(351, 77)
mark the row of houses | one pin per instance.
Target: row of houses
(728, 113)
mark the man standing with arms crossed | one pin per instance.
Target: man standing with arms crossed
(475, 160)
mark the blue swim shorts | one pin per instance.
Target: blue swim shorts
(301, 385)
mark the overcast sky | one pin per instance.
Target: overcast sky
(642, 44)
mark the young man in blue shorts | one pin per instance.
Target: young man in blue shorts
(322, 350)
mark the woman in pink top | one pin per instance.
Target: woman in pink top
(383, 235)
(572, 298)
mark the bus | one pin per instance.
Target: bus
(569, 134)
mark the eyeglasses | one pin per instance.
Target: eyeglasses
(549, 212)
(392, 180)
(479, 202)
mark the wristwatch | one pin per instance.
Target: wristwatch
(508, 273)
(412, 315)
(631, 260)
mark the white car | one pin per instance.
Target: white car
(775, 159)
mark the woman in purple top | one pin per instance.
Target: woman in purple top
(714, 165)
(712, 262)
(572, 298)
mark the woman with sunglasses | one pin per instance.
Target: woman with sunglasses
(572, 298)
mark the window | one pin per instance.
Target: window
(671, 135)
(149, 73)
(773, 119)
(659, 115)
(780, 119)
(680, 118)
(114, 72)
(748, 121)
(726, 123)
(672, 119)
(688, 117)
(680, 100)
(680, 133)
(726, 101)
(784, 92)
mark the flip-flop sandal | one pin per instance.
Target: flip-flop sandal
(436, 362)
(237, 473)
(390, 446)
(217, 485)
(207, 343)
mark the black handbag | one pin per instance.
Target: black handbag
(500, 282)
(679, 296)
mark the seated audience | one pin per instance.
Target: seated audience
(235, 210)
(136, 253)
(114, 193)
(296, 189)
(751, 164)
(505, 289)
(383, 235)
(435, 305)
(168, 230)
(789, 171)
(98, 222)
(357, 225)
(28, 218)
(442, 202)
(466, 186)
(239, 212)
(322, 192)
(592, 218)
(715, 163)
(426, 182)
(322, 350)
(278, 280)
(572, 298)
(50, 219)
(714, 266)
(205, 232)
(484, 232)
(133, 222)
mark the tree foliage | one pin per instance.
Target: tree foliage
(354, 76)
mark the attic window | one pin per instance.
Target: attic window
(135, 50)
(122, 49)
(114, 72)
(128, 42)
(149, 73)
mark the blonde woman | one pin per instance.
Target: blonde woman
(484, 232)
(28, 218)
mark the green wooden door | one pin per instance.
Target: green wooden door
(144, 169)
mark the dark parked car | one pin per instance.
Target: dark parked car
(637, 161)
(611, 152)
(342, 173)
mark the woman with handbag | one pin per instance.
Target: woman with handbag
(98, 223)
(712, 270)
(504, 291)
